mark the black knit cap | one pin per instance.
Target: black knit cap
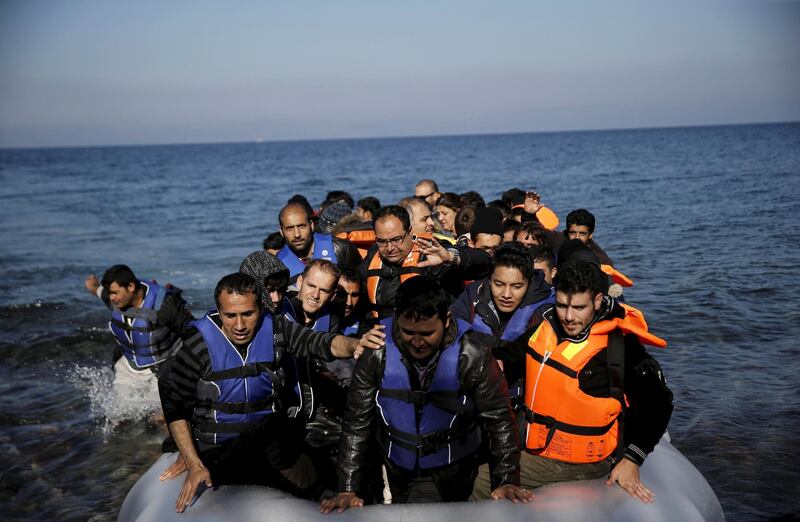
(260, 265)
(488, 220)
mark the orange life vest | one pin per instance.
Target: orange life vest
(361, 239)
(616, 276)
(561, 422)
(407, 270)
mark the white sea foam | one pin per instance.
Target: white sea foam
(114, 407)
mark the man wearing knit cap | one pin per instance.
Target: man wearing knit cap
(332, 215)
(487, 230)
(304, 244)
(270, 274)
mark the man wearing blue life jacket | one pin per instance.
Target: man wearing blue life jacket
(147, 321)
(502, 308)
(348, 301)
(304, 244)
(428, 398)
(227, 394)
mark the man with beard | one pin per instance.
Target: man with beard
(303, 244)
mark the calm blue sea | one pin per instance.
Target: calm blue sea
(705, 220)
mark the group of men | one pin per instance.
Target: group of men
(477, 366)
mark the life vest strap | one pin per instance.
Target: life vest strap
(566, 370)
(207, 426)
(423, 445)
(239, 407)
(247, 370)
(130, 328)
(449, 401)
(552, 425)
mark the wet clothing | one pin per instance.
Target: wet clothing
(474, 264)
(149, 335)
(507, 334)
(480, 380)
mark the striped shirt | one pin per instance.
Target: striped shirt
(178, 384)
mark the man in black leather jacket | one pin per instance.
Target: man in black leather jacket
(420, 348)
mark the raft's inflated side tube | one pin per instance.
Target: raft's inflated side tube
(681, 494)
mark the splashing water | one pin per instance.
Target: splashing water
(109, 407)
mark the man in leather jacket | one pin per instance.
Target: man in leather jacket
(421, 348)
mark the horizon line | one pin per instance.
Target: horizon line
(397, 137)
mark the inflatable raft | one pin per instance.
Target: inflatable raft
(681, 494)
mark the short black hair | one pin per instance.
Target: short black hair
(542, 253)
(511, 224)
(465, 218)
(120, 274)
(352, 274)
(370, 204)
(339, 196)
(514, 255)
(575, 277)
(237, 283)
(533, 230)
(472, 199)
(420, 298)
(396, 211)
(273, 241)
(582, 218)
(502, 206)
(514, 196)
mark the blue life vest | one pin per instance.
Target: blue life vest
(515, 327)
(143, 341)
(238, 392)
(323, 249)
(352, 330)
(445, 430)
(322, 324)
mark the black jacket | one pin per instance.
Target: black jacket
(474, 264)
(480, 379)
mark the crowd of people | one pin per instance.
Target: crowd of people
(438, 349)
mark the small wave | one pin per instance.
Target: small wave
(110, 409)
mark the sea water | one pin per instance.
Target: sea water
(705, 220)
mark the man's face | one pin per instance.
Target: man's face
(297, 230)
(549, 272)
(122, 297)
(275, 290)
(426, 192)
(239, 314)
(524, 237)
(393, 242)
(508, 288)
(363, 215)
(422, 338)
(487, 242)
(347, 294)
(421, 219)
(579, 232)
(576, 311)
(315, 289)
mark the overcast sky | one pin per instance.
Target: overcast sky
(113, 72)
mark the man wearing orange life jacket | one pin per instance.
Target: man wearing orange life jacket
(397, 257)
(595, 402)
